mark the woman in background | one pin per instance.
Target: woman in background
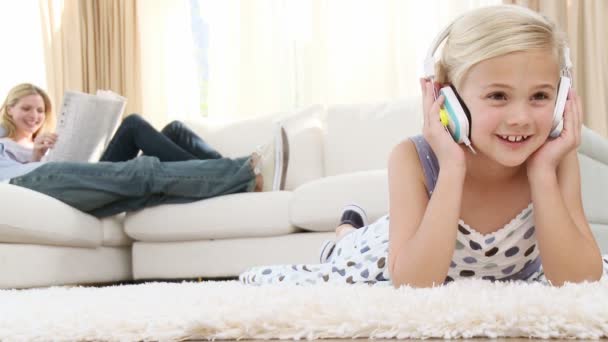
(177, 165)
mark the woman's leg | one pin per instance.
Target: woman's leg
(104, 189)
(189, 141)
(135, 134)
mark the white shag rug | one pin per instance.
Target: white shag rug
(229, 310)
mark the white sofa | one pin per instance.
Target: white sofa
(337, 155)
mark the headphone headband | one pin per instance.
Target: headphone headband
(429, 60)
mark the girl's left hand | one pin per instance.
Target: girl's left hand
(551, 153)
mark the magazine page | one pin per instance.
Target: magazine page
(85, 125)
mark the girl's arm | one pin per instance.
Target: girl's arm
(422, 232)
(567, 247)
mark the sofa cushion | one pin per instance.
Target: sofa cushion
(304, 135)
(594, 187)
(360, 137)
(252, 214)
(223, 258)
(238, 138)
(114, 232)
(304, 139)
(593, 145)
(316, 206)
(34, 218)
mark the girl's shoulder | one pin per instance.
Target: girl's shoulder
(418, 154)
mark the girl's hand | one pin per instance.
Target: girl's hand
(448, 152)
(42, 143)
(551, 153)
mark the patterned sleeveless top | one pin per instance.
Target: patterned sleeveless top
(510, 253)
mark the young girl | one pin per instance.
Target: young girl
(510, 211)
(178, 166)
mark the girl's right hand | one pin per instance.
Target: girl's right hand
(42, 143)
(448, 152)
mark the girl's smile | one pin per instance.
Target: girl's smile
(511, 107)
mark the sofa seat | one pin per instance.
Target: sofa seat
(46, 242)
(223, 257)
(316, 205)
(40, 219)
(243, 215)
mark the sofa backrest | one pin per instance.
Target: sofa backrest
(360, 137)
(304, 139)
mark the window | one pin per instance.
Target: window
(22, 56)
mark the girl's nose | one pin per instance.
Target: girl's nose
(518, 115)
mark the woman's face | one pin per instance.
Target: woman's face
(511, 97)
(28, 114)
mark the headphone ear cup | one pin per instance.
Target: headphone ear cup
(458, 124)
(560, 104)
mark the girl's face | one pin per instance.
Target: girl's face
(28, 114)
(511, 97)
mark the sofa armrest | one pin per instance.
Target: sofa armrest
(594, 145)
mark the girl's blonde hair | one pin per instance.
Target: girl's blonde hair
(17, 93)
(494, 31)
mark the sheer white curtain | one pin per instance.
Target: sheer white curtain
(275, 55)
(22, 56)
(169, 83)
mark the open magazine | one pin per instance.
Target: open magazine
(85, 125)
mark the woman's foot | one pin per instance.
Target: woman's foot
(256, 161)
(259, 183)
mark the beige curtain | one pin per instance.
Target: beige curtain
(585, 24)
(91, 45)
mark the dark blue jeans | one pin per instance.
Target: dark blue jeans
(177, 167)
(175, 142)
(107, 188)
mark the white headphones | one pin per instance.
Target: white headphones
(455, 115)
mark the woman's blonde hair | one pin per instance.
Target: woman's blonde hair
(17, 93)
(494, 31)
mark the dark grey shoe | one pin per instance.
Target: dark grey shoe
(354, 215)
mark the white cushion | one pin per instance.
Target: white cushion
(223, 258)
(238, 138)
(305, 146)
(317, 205)
(594, 187)
(25, 266)
(361, 136)
(34, 218)
(113, 231)
(594, 145)
(304, 139)
(252, 214)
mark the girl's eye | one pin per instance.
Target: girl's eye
(540, 96)
(497, 96)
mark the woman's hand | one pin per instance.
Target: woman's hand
(551, 153)
(42, 143)
(448, 152)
